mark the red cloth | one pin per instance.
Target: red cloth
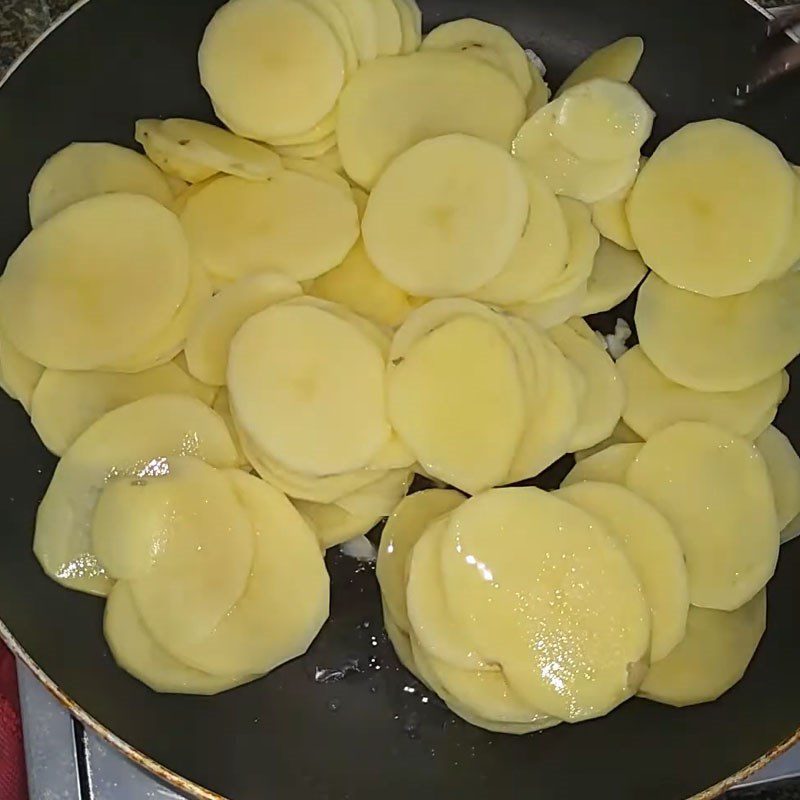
(13, 781)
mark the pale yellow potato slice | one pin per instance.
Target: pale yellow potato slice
(410, 24)
(707, 183)
(379, 499)
(286, 600)
(616, 273)
(547, 314)
(182, 197)
(600, 407)
(655, 402)
(719, 344)
(332, 524)
(652, 547)
(790, 252)
(446, 215)
(460, 378)
(19, 375)
(129, 441)
(333, 161)
(238, 227)
(138, 653)
(217, 322)
(322, 410)
(486, 41)
(539, 94)
(194, 150)
(394, 103)
(287, 91)
(130, 259)
(714, 489)
(611, 219)
(66, 403)
(783, 466)
(360, 16)
(330, 11)
(389, 31)
(608, 466)
(539, 258)
(400, 642)
(713, 657)
(307, 150)
(402, 531)
(622, 434)
(222, 406)
(86, 169)
(315, 169)
(548, 594)
(321, 130)
(204, 392)
(616, 61)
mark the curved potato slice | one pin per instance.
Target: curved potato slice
(86, 169)
(717, 650)
(315, 169)
(610, 218)
(388, 28)
(411, 25)
(330, 11)
(783, 466)
(222, 406)
(616, 273)
(616, 61)
(307, 150)
(608, 466)
(360, 16)
(622, 434)
(320, 131)
(19, 376)
(547, 314)
(714, 489)
(790, 252)
(400, 642)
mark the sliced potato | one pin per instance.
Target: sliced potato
(411, 25)
(222, 406)
(790, 252)
(332, 13)
(315, 135)
(714, 488)
(401, 643)
(315, 169)
(622, 434)
(717, 650)
(19, 376)
(616, 273)
(783, 465)
(616, 61)
(332, 524)
(388, 28)
(86, 169)
(394, 103)
(710, 181)
(608, 466)
(610, 218)
(307, 150)
(547, 314)
(360, 16)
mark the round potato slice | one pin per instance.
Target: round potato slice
(322, 410)
(608, 466)
(360, 16)
(783, 466)
(653, 549)
(711, 180)
(714, 489)
(194, 150)
(19, 376)
(411, 24)
(616, 61)
(321, 131)
(238, 227)
(333, 15)
(287, 91)
(461, 377)
(616, 273)
(394, 103)
(546, 592)
(719, 344)
(388, 28)
(713, 657)
(65, 404)
(129, 441)
(655, 402)
(86, 169)
(212, 330)
(130, 260)
(446, 215)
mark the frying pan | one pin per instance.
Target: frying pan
(375, 732)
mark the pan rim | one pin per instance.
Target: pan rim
(178, 781)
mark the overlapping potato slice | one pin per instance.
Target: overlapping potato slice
(714, 488)
(610, 218)
(360, 16)
(539, 94)
(616, 61)
(19, 375)
(86, 169)
(315, 135)
(315, 169)
(709, 181)
(506, 558)
(790, 252)
(622, 434)
(608, 466)
(411, 25)
(394, 103)
(130, 259)
(655, 402)
(719, 344)
(222, 406)
(650, 543)
(616, 273)
(280, 94)
(717, 650)
(129, 441)
(388, 29)
(783, 466)
(333, 15)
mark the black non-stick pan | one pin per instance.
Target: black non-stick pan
(375, 732)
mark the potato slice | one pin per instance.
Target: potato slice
(238, 227)
(411, 25)
(790, 252)
(65, 404)
(128, 441)
(655, 402)
(652, 547)
(709, 181)
(330, 11)
(315, 135)
(138, 653)
(608, 466)
(622, 434)
(322, 411)
(360, 15)
(212, 330)
(783, 466)
(394, 103)
(86, 169)
(388, 28)
(130, 259)
(615, 275)
(194, 150)
(616, 61)
(714, 488)
(611, 219)
(600, 408)
(19, 376)
(332, 524)
(461, 377)
(283, 94)
(547, 314)
(446, 215)
(222, 406)
(713, 657)
(546, 592)
(308, 150)
(719, 344)
(400, 642)
(405, 526)
(315, 169)
(286, 600)
(486, 41)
